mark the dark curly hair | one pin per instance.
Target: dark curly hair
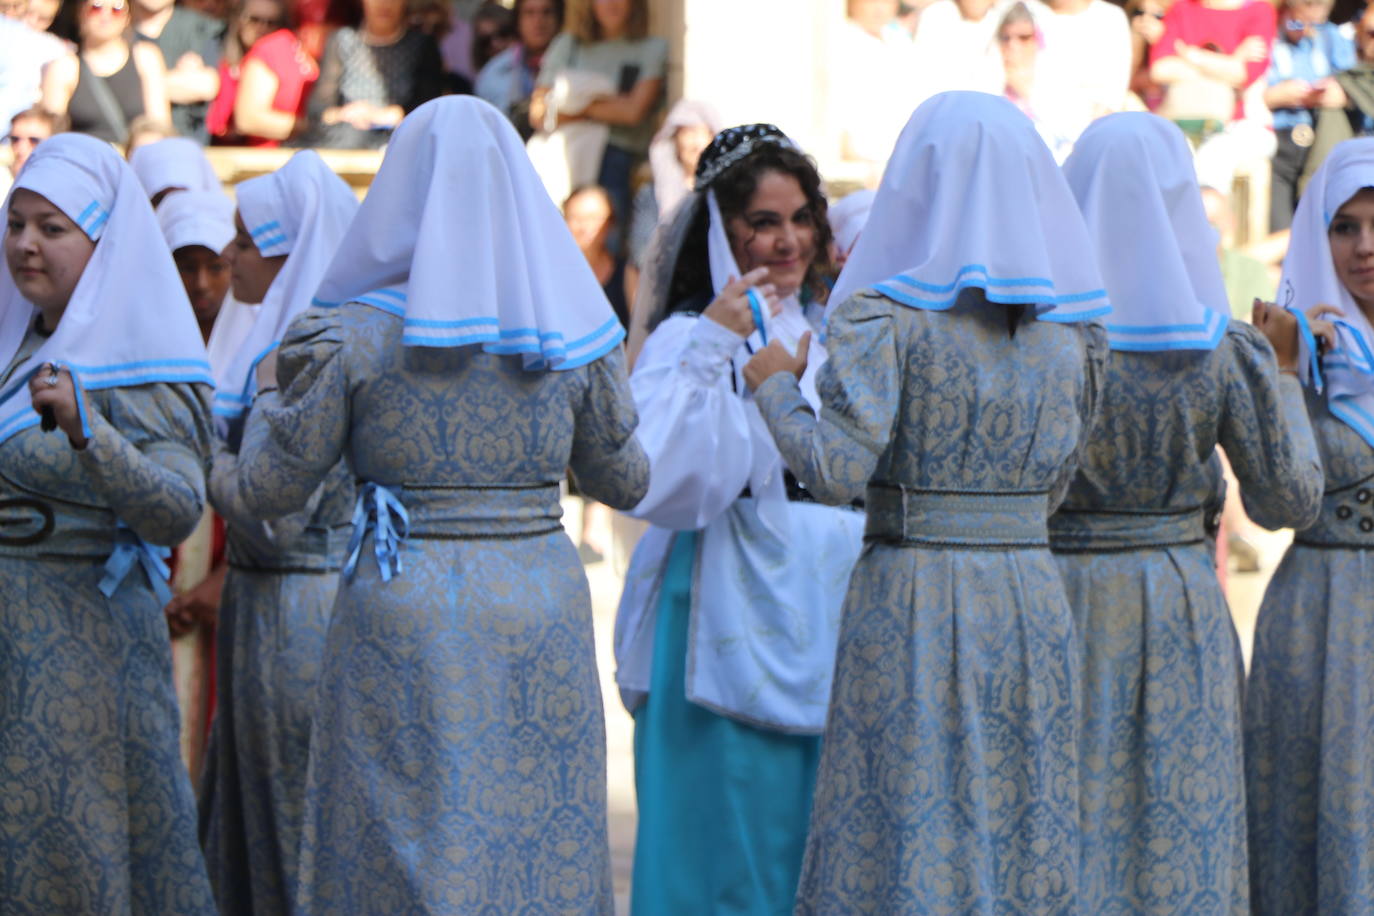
(734, 188)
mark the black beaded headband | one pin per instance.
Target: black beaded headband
(734, 144)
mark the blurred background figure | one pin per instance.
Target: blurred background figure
(1147, 27)
(847, 219)
(190, 45)
(266, 76)
(608, 41)
(1086, 61)
(1019, 41)
(27, 129)
(673, 155)
(956, 47)
(1309, 50)
(872, 85)
(507, 80)
(370, 76)
(110, 79)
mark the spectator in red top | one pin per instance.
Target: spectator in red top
(1222, 41)
(265, 78)
(1211, 51)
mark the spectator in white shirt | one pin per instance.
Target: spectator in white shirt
(1086, 60)
(872, 91)
(956, 47)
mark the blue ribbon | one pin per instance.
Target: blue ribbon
(756, 306)
(130, 549)
(378, 510)
(1314, 367)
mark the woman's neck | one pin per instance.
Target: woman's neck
(373, 37)
(107, 50)
(48, 318)
(608, 35)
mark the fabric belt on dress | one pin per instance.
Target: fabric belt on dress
(1346, 521)
(1120, 530)
(395, 514)
(956, 519)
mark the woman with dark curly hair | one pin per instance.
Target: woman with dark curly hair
(726, 632)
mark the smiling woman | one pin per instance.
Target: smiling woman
(94, 326)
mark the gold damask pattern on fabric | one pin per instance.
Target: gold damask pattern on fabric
(96, 810)
(274, 613)
(1309, 707)
(458, 751)
(1162, 773)
(948, 775)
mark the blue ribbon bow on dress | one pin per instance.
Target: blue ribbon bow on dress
(130, 549)
(378, 509)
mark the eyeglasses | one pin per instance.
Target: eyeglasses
(1008, 38)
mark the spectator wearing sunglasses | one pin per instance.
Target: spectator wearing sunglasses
(190, 45)
(27, 129)
(265, 78)
(110, 79)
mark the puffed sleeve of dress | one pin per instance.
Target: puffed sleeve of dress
(1267, 435)
(693, 424)
(146, 455)
(294, 436)
(607, 459)
(860, 388)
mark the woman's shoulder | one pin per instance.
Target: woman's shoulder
(147, 57)
(274, 46)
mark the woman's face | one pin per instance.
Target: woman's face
(588, 215)
(258, 19)
(1351, 234)
(776, 230)
(612, 15)
(1018, 43)
(41, 14)
(205, 274)
(691, 140)
(384, 17)
(46, 253)
(103, 20)
(250, 274)
(536, 24)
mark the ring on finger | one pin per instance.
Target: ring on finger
(53, 377)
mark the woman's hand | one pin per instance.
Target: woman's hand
(1280, 327)
(52, 387)
(773, 359)
(198, 606)
(731, 308)
(267, 371)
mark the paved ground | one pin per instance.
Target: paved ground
(1243, 590)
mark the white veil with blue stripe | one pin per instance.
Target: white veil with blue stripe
(972, 197)
(1309, 278)
(301, 211)
(128, 321)
(458, 237)
(1133, 176)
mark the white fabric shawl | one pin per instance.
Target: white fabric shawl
(1309, 278)
(173, 163)
(301, 210)
(204, 218)
(128, 321)
(972, 198)
(1134, 179)
(848, 216)
(458, 237)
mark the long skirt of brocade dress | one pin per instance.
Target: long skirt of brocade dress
(96, 811)
(1162, 775)
(948, 775)
(457, 760)
(723, 806)
(272, 629)
(1309, 719)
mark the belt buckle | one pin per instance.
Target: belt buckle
(1303, 135)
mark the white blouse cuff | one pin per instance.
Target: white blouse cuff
(709, 351)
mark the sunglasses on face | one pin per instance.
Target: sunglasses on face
(93, 7)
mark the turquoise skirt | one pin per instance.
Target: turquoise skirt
(723, 806)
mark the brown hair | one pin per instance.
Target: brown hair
(733, 189)
(57, 123)
(582, 24)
